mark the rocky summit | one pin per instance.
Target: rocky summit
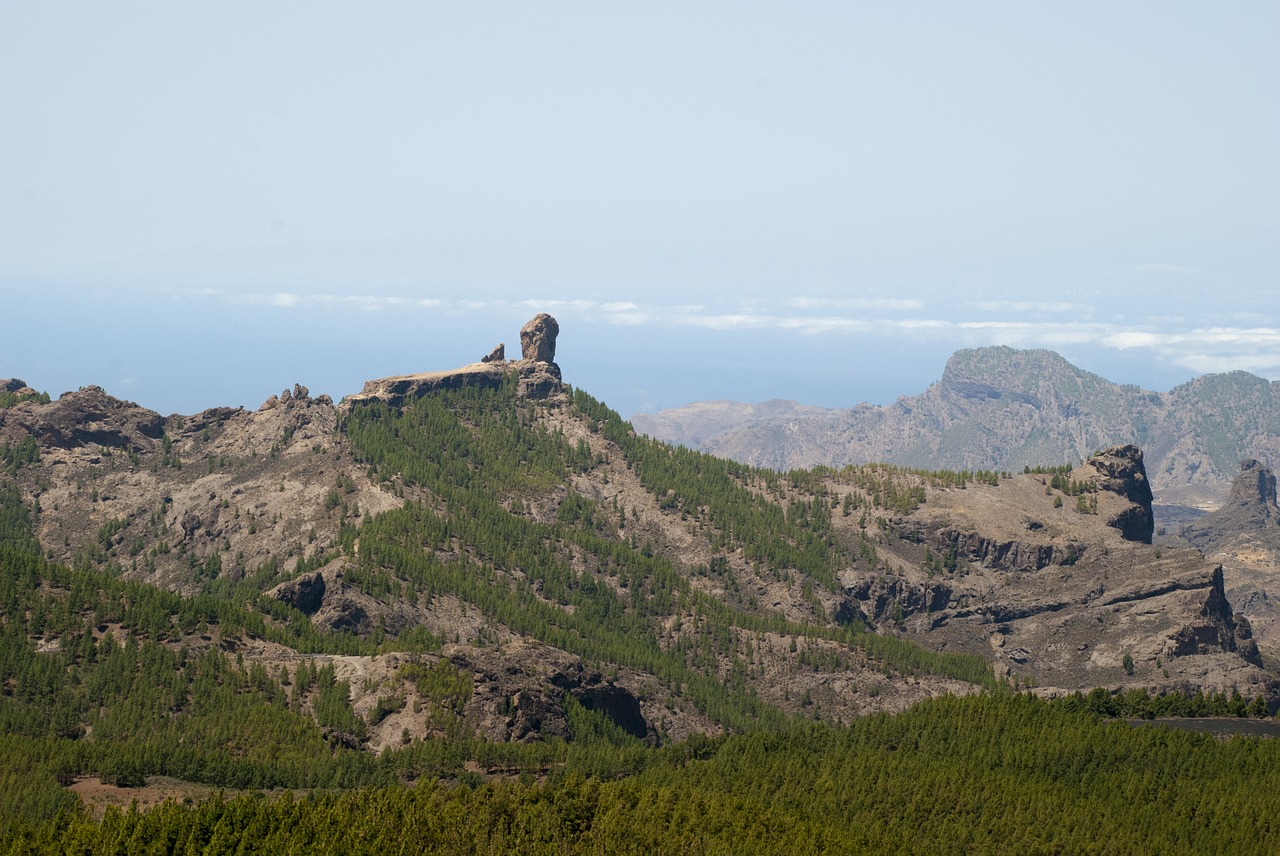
(536, 372)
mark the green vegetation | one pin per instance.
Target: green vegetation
(983, 774)
(478, 455)
(9, 399)
(14, 457)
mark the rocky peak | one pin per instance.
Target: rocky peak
(538, 339)
(537, 374)
(299, 396)
(12, 384)
(1120, 470)
(1250, 511)
(86, 416)
(1255, 486)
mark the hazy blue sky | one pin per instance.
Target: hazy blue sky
(202, 204)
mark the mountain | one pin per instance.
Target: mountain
(1004, 409)
(487, 571)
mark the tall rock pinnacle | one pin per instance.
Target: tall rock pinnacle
(538, 339)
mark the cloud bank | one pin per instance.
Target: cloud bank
(1054, 324)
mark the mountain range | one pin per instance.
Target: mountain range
(1004, 409)
(394, 586)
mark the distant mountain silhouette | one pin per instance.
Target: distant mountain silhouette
(1001, 408)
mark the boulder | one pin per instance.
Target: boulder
(497, 355)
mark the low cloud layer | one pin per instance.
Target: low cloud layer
(1055, 324)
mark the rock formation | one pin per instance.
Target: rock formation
(537, 374)
(17, 387)
(538, 339)
(305, 593)
(1254, 488)
(1120, 470)
(86, 416)
(1249, 512)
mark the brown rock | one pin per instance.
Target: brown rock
(538, 339)
(497, 355)
(87, 416)
(1120, 470)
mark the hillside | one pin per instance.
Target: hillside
(488, 570)
(1004, 409)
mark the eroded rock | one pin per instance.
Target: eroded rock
(538, 339)
(1120, 470)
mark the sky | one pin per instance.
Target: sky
(202, 204)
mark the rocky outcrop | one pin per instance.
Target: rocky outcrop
(520, 695)
(1250, 510)
(299, 396)
(1000, 554)
(305, 594)
(343, 614)
(1254, 487)
(894, 599)
(88, 416)
(18, 389)
(1120, 470)
(538, 339)
(497, 355)
(1244, 535)
(537, 375)
(1217, 630)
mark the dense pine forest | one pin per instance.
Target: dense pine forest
(102, 675)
